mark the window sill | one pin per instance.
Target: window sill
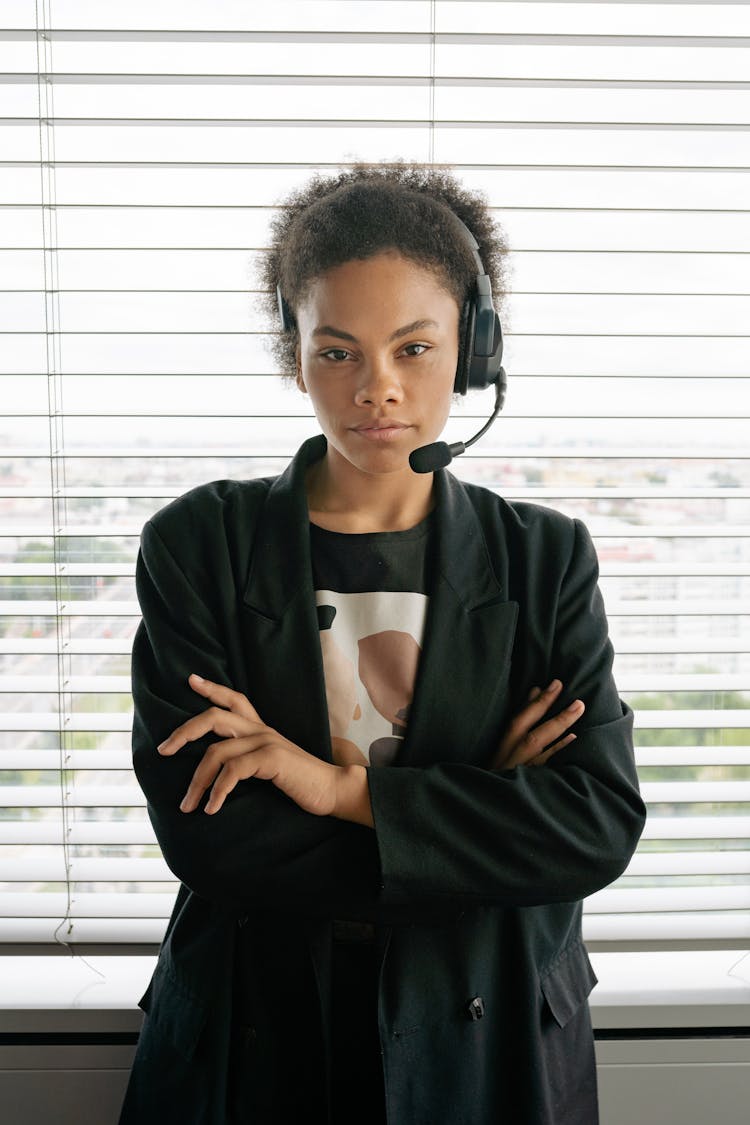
(650, 991)
(664, 990)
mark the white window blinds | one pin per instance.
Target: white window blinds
(143, 148)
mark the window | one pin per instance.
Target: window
(143, 148)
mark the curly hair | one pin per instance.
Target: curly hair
(367, 209)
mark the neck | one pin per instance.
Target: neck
(362, 502)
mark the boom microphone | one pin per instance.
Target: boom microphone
(428, 458)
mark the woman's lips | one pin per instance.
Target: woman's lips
(380, 433)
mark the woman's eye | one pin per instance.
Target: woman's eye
(336, 354)
(415, 349)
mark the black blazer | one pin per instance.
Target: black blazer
(473, 876)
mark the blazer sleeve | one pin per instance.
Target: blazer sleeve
(262, 850)
(529, 835)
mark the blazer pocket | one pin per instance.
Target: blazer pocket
(568, 982)
(174, 1014)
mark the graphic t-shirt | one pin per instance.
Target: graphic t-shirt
(371, 592)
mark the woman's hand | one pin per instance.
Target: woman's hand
(249, 748)
(523, 743)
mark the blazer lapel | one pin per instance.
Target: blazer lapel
(280, 626)
(469, 633)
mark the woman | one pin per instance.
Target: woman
(379, 916)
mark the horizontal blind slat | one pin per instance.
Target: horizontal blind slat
(79, 760)
(135, 830)
(413, 15)
(122, 720)
(692, 756)
(691, 720)
(667, 927)
(87, 905)
(239, 185)
(52, 869)
(378, 99)
(51, 683)
(648, 900)
(664, 792)
(628, 683)
(697, 828)
(690, 863)
(83, 797)
(76, 645)
(94, 760)
(619, 569)
(51, 929)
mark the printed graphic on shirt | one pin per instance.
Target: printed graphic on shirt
(371, 643)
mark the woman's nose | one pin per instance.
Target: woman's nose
(379, 382)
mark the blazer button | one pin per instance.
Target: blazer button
(249, 1037)
(476, 1008)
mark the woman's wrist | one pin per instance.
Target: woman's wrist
(352, 800)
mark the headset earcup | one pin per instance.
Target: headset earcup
(466, 347)
(484, 370)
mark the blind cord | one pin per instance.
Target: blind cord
(58, 500)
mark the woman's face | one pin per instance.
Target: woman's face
(378, 345)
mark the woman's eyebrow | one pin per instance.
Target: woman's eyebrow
(413, 327)
(328, 330)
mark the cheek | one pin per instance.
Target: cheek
(446, 408)
(324, 398)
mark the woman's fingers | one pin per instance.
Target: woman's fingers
(540, 759)
(550, 730)
(207, 769)
(527, 718)
(221, 758)
(532, 740)
(226, 723)
(230, 773)
(538, 706)
(223, 696)
(229, 717)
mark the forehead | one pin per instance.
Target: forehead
(386, 280)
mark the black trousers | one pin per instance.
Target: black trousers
(292, 1052)
(357, 1069)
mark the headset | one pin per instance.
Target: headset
(480, 355)
(480, 350)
